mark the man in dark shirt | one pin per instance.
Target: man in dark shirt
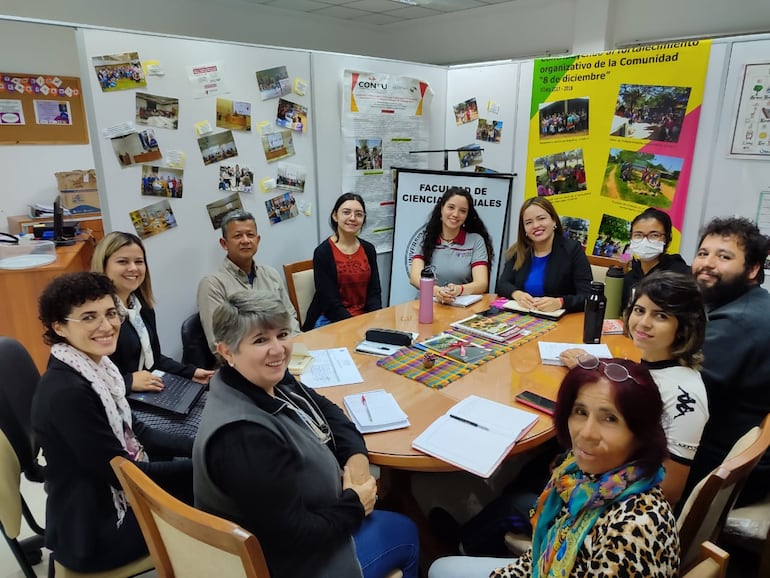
(736, 369)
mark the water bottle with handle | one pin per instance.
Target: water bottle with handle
(427, 281)
(594, 313)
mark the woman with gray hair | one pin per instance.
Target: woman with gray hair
(285, 462)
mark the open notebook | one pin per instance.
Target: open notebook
(475, 434)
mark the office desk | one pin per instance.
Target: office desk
(500, 379)
(20, 290)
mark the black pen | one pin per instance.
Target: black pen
(469, 422)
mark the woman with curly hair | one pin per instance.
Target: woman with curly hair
(458, 247)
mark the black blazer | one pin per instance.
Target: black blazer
(327, 300)
(567, 274)
(71, 425)
(129, 349)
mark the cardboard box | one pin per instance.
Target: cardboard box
(80, 201)
(77, 180)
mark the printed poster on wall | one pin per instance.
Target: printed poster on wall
(752, 124)
(612, 134)
(383, 118)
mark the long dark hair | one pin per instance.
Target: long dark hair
(342, 198)
(472, 224)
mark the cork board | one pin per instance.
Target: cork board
(41, 109)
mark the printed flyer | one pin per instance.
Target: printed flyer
(612, 134)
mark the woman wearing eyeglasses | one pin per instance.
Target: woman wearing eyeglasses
(667, 322)
(286, 463)
(82, 421)
(650, 237)
(347, 281)
(602, 513)
(121, 256)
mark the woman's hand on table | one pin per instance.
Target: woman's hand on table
(367, 490)
(547, 303)
(446, 293)
(524, 299)
(569, 357)
(202, 375)
(146, 381)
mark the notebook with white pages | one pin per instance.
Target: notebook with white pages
(550, 350)
(475, 435)
(374, 411)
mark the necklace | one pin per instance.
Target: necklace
(311, 418)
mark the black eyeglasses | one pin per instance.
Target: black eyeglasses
(613, 371)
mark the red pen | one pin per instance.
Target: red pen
(366, 406)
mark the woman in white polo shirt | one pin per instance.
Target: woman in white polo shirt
(456, 243)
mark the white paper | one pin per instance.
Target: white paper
(550, 351)
(462, 300)
(385, 412)
(331, 367)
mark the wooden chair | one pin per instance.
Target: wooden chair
(710, 563)
(301, 285)
(705, 512)
(749, 528)
(599, 266)
(185, 542)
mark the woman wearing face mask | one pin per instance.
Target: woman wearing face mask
(650, 237)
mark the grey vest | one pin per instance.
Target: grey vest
(319, 477)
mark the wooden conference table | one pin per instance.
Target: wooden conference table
(499, 380)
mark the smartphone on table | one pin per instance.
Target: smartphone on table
(539, 402)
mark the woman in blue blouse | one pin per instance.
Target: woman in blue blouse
(544, 269)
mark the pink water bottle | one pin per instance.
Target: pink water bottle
(427, 280)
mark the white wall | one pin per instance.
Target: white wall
(28, 170)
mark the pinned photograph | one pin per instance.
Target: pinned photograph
(489, 130)
(218, 209)
(234, 114)
(119, 71)
(217, 147)
(368, 154)
(650, 112)
(157, 111)
(291, 115)
(291, 177)
(162, 181)
(153, 219)
(470, 155)
(277, 145)
(563, 118)
(644, 178)
(560, 173)
(576, 229)
(136, 147)
(52, 112)
(466, 112)
(273, 82)
(281, 208)
(236, 178)
(614, 237)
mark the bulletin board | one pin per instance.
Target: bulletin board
(41, 109)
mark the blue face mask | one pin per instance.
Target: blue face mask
(647, 250)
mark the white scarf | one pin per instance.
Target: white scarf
(107, 382)
(132, 311)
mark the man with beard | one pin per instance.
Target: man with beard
(728, 267)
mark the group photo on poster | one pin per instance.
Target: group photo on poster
(641, 108)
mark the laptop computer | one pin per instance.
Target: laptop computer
(179, 394)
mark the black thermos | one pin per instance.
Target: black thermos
(594, 317)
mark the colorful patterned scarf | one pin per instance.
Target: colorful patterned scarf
(558, 535)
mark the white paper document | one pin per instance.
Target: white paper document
(462, 300)
(331, 367)
(373, 411)
(475, 435)
(550, 351)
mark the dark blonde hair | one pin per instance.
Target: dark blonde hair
(522, 248)
(677, 295)
(111, 243)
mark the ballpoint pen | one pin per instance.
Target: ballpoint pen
(366, 406)
(469, 422)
